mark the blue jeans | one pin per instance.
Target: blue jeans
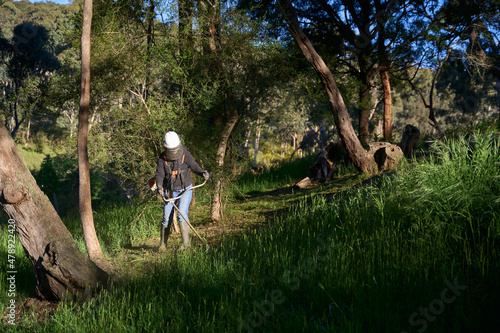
(182, 204)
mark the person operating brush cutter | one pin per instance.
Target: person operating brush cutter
(173, 179)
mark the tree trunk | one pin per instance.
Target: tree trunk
(247, 135)
(365, 99)
(211, 26)
(364, 113)
(210, 21)
(216, 209)
(384, 76)
(91, 241)
(256, 142)
(498, 92)
(58, 264)
(300, 137)
(282, 150)
(346, 132)
(150, 17)
(28, 130)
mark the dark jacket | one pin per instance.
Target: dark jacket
(182, 180)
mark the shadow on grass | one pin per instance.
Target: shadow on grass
(143, 247)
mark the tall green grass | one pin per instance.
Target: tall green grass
(24, 277)
(286, 173)
(117, 225)
(374, 259)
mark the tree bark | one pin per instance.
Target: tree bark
(211, 26)
(58, 264)
(365, 99)
(256, 142)
(282, 148)
(339, 110)
(216, 208)
(384, 77)
(364, 113)
(91, 241)
(498, 92)
(150, 17)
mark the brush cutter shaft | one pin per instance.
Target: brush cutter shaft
(172, 201)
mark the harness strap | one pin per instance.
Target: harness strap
(176, 172)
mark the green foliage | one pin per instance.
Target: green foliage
(34, 154)
(57, 177)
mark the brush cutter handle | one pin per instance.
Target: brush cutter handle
(180, 196)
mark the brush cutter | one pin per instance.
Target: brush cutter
(172, 201)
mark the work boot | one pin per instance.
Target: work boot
(164, 233)
(186, 241)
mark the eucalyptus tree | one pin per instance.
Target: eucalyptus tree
(239, 60)
(59, 266)
(126, 103)
(366, 37)
(85, 198)
(353, 145)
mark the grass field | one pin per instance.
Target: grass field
(416, 251)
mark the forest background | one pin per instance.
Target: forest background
(152, 71)
(228, 77)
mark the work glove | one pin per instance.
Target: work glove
(161, 192)
(206, 175)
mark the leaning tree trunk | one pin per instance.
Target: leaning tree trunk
(346, 132)
(58, 264)
(91, 241)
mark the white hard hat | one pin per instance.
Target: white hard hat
(173, 147)
(171, 140)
